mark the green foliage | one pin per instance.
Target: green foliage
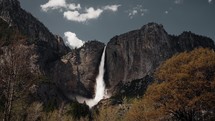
(78, 110)
(51, 105)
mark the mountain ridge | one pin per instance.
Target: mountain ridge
(138, 53)
(48, 46)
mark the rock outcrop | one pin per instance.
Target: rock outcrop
(138, 53)
(46, 46)
(129, 57)
(76, 72)
(26, 42)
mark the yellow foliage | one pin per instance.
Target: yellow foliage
(109, 112)
(184, 88)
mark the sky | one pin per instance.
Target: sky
(79, 21)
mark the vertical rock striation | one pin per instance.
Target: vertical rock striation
(138, 53)
(76, 72)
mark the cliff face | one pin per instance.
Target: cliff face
(27, 49)
(45, 46)
(76, 72)
(14, 15)
(189, 40)
(34, 30)
(132, 56)
(138, 53)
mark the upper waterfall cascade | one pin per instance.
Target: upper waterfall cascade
(100, 91)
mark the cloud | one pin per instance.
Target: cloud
(209, 1)
(178, 1)
(53, 4)
(113, 8)
(73, 6)
(137, 10)
(166, 12)
(74, 12)
(72, 41)
(89, 14)
(132, 13)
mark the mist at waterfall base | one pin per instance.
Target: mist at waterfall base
(100, 91)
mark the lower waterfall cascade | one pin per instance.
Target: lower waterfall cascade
(100, 91)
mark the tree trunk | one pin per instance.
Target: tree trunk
(8, 105)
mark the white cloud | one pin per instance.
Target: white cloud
(53, 4)
(132, 13)
(74, 12)
(113, 8)
(178, 1)
(89, 14)
(209, 1)
(166, 12)
(137, 10)
(73, 6)
(72, 41)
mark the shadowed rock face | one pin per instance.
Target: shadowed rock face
(130, 56)
(31, 41)
(138, 53)
(14, 15)
(46, 46)
(76, 72)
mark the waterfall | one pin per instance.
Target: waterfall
(99, 87)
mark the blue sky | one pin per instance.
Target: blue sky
(102, 19)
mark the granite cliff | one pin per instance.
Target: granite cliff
(76, 72)
(138, 53)
(130, 57)
(47, 47)
(28, 49)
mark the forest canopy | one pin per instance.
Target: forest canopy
(184, 89)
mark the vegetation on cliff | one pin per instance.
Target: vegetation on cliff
(184, 89)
